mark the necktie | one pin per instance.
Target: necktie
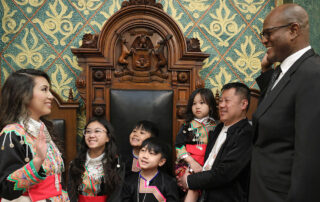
(274, 77)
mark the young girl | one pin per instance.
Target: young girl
(141, 131)
(31, 163)
(192, 139)
(150, 184)
(95, 174)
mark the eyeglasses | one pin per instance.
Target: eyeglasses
(95, 131)
(267, 32)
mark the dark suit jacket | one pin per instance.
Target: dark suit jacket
(228, 179)
(285, 164)
(263, 81)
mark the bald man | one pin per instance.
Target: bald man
(286, 154)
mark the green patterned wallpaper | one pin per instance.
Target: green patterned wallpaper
(39, 34)
(313, 9)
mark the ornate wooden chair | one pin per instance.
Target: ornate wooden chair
(140, 66)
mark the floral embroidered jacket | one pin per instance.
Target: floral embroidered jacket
(17, 171)
(192, 139)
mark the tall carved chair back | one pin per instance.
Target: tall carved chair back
(140, 66)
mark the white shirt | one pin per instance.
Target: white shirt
(288, 62)
(216, 148)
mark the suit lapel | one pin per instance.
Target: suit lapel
(267, 101)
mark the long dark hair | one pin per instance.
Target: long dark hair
(109, 161)
(16, 95)
(207, 96)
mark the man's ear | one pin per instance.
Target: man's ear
(295, 30)
(162, 162)
(244, 104)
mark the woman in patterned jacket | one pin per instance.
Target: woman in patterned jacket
(31, 163)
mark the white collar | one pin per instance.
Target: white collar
(225, 128)
(33, 128)
(94, 161)
(289, 61)
(203, 119)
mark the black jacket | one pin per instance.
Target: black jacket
(163, 183)
(228, 179)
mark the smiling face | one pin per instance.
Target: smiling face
(232, 107)
(40, 103)
(277, 40)
(200, 108)
(96, 136)
(137, 136)
(149, 160)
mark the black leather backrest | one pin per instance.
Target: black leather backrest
(59, 128)
(127, 107)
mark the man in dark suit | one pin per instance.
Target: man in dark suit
(285, 164)
(225, 175)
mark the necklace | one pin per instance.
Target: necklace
(148, 182)
(138, 191)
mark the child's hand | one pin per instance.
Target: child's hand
(195, 166)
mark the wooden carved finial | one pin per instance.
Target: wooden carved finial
(90, 41)
(70, 98)
(193, 45)
(217, 96)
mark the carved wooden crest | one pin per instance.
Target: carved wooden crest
(142, 48)
(143, 56)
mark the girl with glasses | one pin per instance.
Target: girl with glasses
(95, 174)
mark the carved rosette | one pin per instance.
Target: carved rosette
(183, 77)
(98, 75)
(98, 111)
(181, 110)
(141, 2)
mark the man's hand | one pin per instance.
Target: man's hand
(183, 180)
(265, 63)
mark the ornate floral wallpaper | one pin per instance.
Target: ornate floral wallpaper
(39, 34)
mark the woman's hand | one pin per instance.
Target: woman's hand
(41, 149)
